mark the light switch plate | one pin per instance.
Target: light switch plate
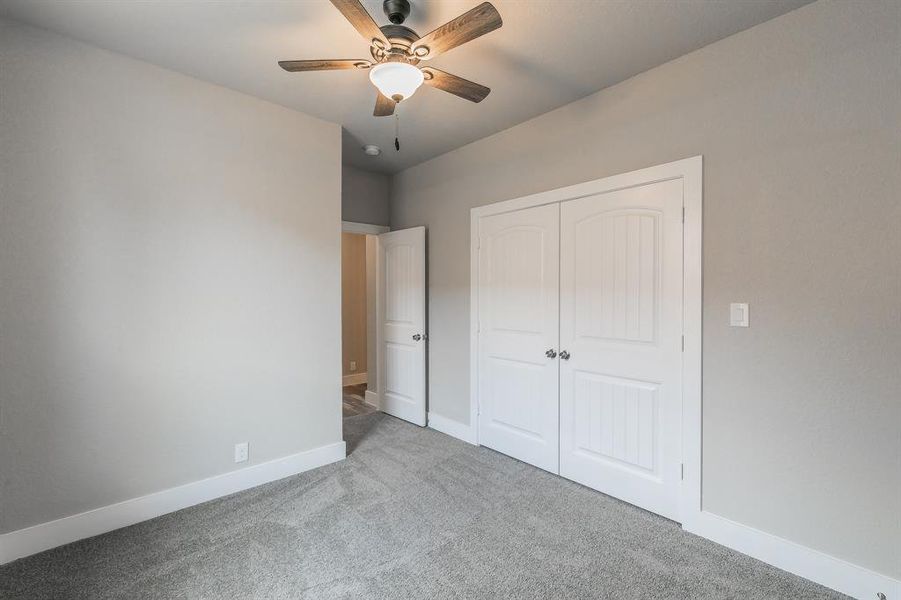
(738, 315)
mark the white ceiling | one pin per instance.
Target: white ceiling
(547, 54)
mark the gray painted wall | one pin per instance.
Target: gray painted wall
(364, 196)
(169, 249)
(798, 121)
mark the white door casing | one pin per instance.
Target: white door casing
(402, 356)
(621, 327)
(518, 326)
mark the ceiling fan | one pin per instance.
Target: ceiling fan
(397, 52)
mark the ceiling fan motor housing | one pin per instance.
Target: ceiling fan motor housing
(401, 39)
(396, 10)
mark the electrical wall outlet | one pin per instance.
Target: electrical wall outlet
(242, 452)
(353, 365)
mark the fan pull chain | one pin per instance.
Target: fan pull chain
(397, 132)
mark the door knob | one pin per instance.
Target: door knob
(564, 355)
(550, 353)
(417, 337)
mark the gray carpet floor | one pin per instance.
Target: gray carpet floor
(410, 514)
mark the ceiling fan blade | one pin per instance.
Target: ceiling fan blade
(323, 65)
(468, 26)
(362, 21)
(384, 106)
(455, 85)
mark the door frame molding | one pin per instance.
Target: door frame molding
(363, 228)
(690, 171)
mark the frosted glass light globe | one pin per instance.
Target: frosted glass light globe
(396, 80)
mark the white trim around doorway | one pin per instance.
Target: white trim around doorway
(363, 228)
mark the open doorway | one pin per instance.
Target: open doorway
(384, 334)
(359, 278)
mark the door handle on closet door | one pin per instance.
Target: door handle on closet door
(551, 353)
(564, 355)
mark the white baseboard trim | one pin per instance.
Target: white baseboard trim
(805, 562)
(31, 540)
(355, 379)
(371, 398)
(452, 428)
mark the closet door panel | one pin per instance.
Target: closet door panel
(621, 325)
(518, 324)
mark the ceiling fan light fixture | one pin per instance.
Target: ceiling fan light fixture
(371, 150)
(397, 50)
(396, 80)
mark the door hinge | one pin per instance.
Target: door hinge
(683, 343)
(682, 471)
(683, 214)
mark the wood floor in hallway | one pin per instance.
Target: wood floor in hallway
(354, 401)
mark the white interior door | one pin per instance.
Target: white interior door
(621, 328)
(518, 326)
(403, 337)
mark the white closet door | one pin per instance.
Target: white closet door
(402, 356)
(518, 325)
(621, 325)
